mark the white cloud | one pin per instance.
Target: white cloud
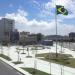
(64, 29)
(1, 17)
(34, 26)
(19, 16)
(47, 8)
(36, 2)
(22, 12)
(49, 5)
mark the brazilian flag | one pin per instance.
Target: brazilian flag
(61, 10)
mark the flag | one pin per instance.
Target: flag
(61, 10)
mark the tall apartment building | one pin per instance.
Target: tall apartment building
(6, 27)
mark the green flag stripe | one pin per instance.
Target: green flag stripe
(62, 12)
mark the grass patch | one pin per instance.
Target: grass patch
(17, 62)
(72, 62)
(35, 72)
(29, 56)
(23, 53)
(5, 57)
(63, 59)
(35, 48)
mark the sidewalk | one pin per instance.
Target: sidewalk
(15, 67)
(41, 65)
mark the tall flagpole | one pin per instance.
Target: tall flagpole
(56, 29)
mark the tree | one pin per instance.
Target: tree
(8, 45)
(1, 48)
(39, 37)
(23, 45)
(18, 52)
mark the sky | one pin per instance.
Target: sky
(38, 16)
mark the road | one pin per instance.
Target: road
(7, 70)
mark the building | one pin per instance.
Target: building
(23, 37)
(27, 39)
(6, 27)
(47, 42)
(32, 39)
(53, 37)
(72, 36)
(14, 36)
(58, 38)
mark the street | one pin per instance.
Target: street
(7, 70)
